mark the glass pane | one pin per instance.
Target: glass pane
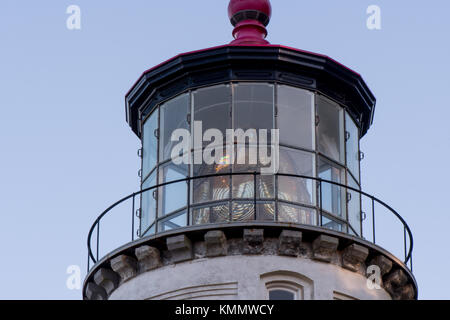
(150, 144)
(174, 115)
(213, 188)
(296, 117)
(294, 214)
(354, 207)
(212, 214)
(150, 231)
(281, 295)
(265, 211)
(173, 222)
(333, 225)
(330, 129)
(352, 146)
(296, 189)
(243, 211)
(212, 106)
(243, 185)
(253, 106)
(148, 199)
(172, 196)
(265, 187)
(333, 196)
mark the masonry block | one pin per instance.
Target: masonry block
(253, 241)
(289, 243)
(383, 263)
(397, 278)
(324, 247)
(216, 243)
(125, 266)
(407, 292)
(396, 283)
(149, 258)
(107, 279)
(353, 257)
(95, 292)
(180, 248)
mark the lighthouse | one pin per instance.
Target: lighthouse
(251, 181)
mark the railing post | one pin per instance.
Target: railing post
(132, 218)
(188, 214)
(320, 202)
(98, 237)
(254, 194)
(404, 241)
(373, 220)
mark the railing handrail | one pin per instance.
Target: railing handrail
(408, 255)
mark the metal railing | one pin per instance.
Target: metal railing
(407, 234)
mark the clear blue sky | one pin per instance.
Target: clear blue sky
(67, 152)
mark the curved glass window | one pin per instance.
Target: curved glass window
(330, 129)
(217, 213)
(212, 106)
(245, 186)
(317, 139)
(173, 196)
(333, 196)
(174, 115)
(175, 221)
(148, 204)
(333, 224)
(296, 214)
(293, 189)
(253, 105)
(253, 109)
(352, 146)
(265, 211)
(150, 141)
(296, 117)
(211, 188)
(354, 207)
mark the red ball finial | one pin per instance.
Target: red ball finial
(260, 6)
(250, 18)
